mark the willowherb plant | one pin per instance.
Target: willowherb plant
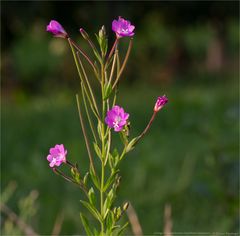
(103, 118)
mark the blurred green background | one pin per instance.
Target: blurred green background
(189, 159)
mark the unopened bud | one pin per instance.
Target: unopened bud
(56, 29)
(125, 206)
(114, 210)
(161, 101)
(102, 32)
(84, 33)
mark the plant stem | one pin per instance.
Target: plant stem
(102, 196)
(85, 136)
(81, 79)
(83, 53)
(147, 127)
(88, 84)
(81, 185)
(103, 148)
(88, 115)
(112, 50)
(113, 67)
(124, 63)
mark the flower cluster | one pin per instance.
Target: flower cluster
(107, 66)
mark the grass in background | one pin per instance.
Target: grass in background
(188, 159)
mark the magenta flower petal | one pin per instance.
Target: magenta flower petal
(56, 29)
(116, 118)
(57, 155)
(161, 101)
(49, 158)
(123, 28)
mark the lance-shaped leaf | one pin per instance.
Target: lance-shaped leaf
(92, 197)
(92, 210)
(110, 180)
(94, 179)
(97, 150)
(86, 225)
(108, 202)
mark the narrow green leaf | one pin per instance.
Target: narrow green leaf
(110, 220)
(109, 200)
(91, 196)
(86, 225)
(110, 180)
(97, 150)
(95, 179)
(131, 144)
(85, 178)
(107, 91)
(120, 231)
(111, 161)
(96, 233)
(99, 129)
(92, 210)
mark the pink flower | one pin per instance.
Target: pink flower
(161, 101)
(116, 118)
(122, 27)
(56, 29)
(57, 155)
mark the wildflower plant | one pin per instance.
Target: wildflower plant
(104, 117)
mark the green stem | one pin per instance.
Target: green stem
(102, 196)
(124, 63)
(88, 84)
(83, 53)
(112, 50)
(103, 147)
(81, 79)
(147, 127)
(81, 185)
(113, 67)
(88, 115)
(85, 136)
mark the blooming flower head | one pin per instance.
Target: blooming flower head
(57, 155)
(161, 101)
(56, 29)
(116, 118)
(122, 27)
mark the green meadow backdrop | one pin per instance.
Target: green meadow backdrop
(189, 159)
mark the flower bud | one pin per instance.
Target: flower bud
(161, 101)
(84, 33)
(102, 32)
(56, 29)
(125, 206)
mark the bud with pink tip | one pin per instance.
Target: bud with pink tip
(161, 101)
(56, 29)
